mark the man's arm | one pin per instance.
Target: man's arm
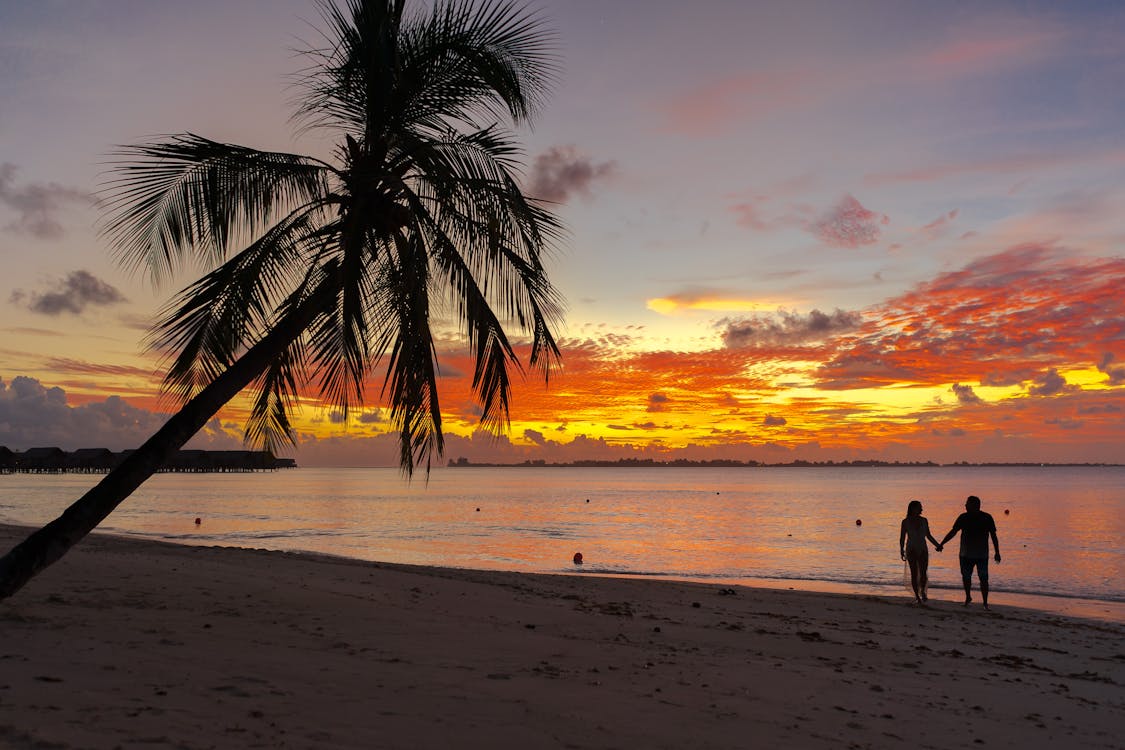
(995, 545)
(953, 532)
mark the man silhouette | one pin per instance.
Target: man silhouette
(975, 526)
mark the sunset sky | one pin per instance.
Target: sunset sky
(796, 230)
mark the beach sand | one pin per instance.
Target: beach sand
(130, 643)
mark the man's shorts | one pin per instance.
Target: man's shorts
(980, 563)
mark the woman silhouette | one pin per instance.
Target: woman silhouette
(912, 547)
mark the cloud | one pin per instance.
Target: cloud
(707, 300)
(1006, 43)
(786, 328)
(1116, 374)
(657, 402)
(773, 421)
(999, 320)
(37, 204)
(375, 416)
(535, 436)
(33, 415)
(1048, 384)
(79, 290)
(965, 394)
(727, 103)
(563, 172)
(939, 226)
(849, 225)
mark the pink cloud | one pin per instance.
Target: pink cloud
(849, 225)
(940, 225)
(970, 54)
(723, 104)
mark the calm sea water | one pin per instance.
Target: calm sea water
(1061, 536)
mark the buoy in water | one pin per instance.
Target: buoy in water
(858, 522)
(198, 521)
(1006, 511)
(577, 558)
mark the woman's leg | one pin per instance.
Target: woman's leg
(914, 583)
(924, 575)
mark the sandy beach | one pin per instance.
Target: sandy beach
(129, 643)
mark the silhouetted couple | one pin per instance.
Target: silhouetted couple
(975, 526)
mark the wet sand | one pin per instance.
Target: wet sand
(129, 643)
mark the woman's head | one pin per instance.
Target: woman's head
(914, 508)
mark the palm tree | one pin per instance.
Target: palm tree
(344, 266)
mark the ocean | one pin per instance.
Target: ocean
(836, 529)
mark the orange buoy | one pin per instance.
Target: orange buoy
(198, 521)
(577, 558)
(1006, 511)
(858, 522)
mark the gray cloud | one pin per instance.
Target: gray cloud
(563, 172)
(657, 402)
(37, 204)
(1048, 384)
(786, 328)
(535, 436)
(1116, 373)
(965, 394)
(33, 415)
(771, 421)
(372, 417)
(79, 290)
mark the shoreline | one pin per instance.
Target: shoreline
(126, 642)
(1059, 604)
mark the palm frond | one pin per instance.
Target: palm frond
(213, 320)
(268, 426)
(411, 382)
(466, 61)
(189, 195)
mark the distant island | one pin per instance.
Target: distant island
(102, 460)
(651, 463)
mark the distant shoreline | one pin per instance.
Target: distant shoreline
(680, 464)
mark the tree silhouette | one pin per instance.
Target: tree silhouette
(343, 265)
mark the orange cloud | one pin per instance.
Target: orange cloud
(999, 319)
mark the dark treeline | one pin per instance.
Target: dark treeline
(102, 460)
(652, 463)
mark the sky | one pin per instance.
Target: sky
(812, 230)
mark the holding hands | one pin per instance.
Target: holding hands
(938, 548)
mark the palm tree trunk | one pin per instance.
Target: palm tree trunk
(51, 542)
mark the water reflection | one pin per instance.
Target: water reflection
(1061, 536)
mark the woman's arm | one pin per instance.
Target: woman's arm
(902, 539)
(935, 542)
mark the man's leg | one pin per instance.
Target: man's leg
(982, 574)
(967, 578)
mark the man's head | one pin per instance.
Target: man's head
(972, 503)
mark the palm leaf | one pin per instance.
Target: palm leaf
(188, 194)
